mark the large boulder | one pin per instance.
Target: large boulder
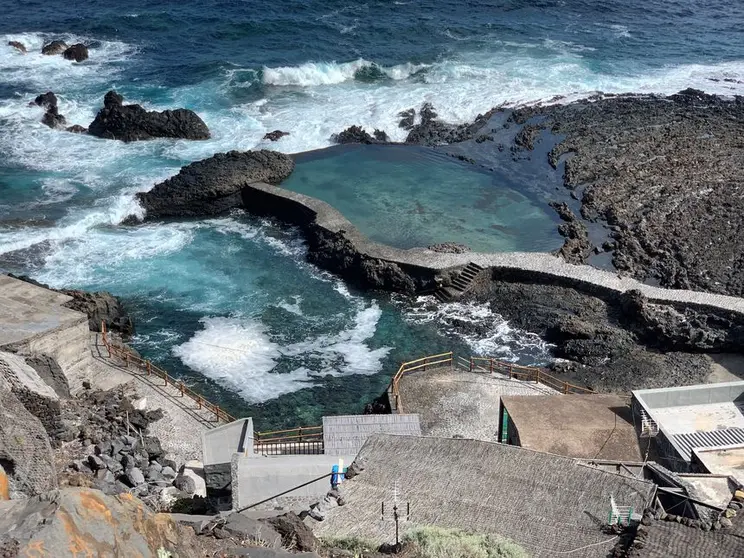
(213, 186)
(77, 522)
(191, 479)
(55, 47)
(133, 123)
(294, 532)
(77, 52)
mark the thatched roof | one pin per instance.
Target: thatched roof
(668, 539)
(544, 502)
(592, 426)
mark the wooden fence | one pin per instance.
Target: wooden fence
(433, 361)
(151, 370)
(480, 365)
(524, 373)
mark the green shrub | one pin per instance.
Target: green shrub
(435, 542)
(355, 545)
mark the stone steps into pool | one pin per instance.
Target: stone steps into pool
(460, 285)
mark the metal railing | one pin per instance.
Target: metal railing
(303, 440)
(151, 370)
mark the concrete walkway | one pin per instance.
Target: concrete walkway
(460, 403)
(527, 264)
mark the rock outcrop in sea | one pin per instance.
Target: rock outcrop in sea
(52, 117)
(357, 134)
(133, 123)
(276, 135)
(55, 47)
(77, 52)
(213, 186)
(20, 47)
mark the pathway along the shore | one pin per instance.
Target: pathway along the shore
(302, 210)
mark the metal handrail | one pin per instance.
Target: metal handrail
(150, 368)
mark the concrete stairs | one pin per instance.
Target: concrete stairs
(460, 285)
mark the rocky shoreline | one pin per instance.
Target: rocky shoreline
(667, 218)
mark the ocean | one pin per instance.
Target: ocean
(229, 303)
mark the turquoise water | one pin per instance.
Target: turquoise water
(411, 196)
(230, 305)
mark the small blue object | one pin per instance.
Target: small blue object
(334, 476)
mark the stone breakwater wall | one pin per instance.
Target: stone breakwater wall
(336, 245)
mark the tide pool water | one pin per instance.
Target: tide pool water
(411, 196)
(229, 304)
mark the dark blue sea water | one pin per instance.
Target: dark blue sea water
(229, 303)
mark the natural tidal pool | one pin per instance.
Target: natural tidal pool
(407, 196)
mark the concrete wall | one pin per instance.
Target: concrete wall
(68, 345)
(256, 478)
(219, 444)
(689, 395)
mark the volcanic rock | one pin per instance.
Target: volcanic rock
(77, 52)
(213, 186)
(294, 532)
(77, 129)
(577, 247)
(275, 135)
(101, 307)
(357, 134)
(18, 46)
(431, 131)
(46, 100)
(53, 119)
(55, 47)
(78, 521)
(133, 123)
(406, 119)
(664, 174)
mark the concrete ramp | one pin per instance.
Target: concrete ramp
(549, 504)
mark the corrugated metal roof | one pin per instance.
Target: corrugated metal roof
(710, 439)
(345, 435)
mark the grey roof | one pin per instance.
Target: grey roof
(547, 503)
(346, 434)
(667, 539)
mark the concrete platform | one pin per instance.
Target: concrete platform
(460, 403)
(591, 426)
(27, 311)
